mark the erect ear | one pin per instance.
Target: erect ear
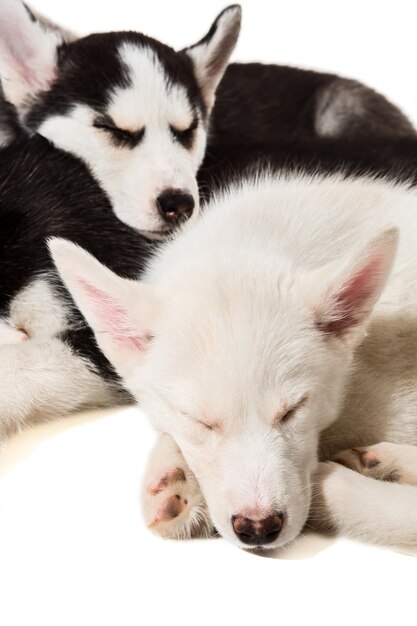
(211, 55)
(64, 33)
(348, 297)
(28, 53)
(119, 311)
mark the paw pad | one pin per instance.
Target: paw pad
(171, 504)
(170, 478)
(169, 509)
(367, 458)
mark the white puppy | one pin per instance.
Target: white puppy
(276, 331)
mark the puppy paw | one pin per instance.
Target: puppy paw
(173, 504)
(173, 476)
(381, 461)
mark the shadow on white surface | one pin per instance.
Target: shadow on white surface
(74, 548)
(22, 445)
(88, 437)
(37, 447)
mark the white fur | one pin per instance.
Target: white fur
(363, 508)
(10, 334)
(158, 99)
(38, 311)
(236, 341)
(355, 505)
(41, 377)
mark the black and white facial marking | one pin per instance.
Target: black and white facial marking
(132, 108)
(127, 124)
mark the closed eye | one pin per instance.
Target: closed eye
(288, 415)
(120, 136)
(285, 416)
(207, 425)
(185, 137)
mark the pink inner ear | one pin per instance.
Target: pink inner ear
(24, 58)
(114, 318)
(351, 301)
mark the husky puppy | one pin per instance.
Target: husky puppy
(137, 113)
(130, 108)
(291, 337)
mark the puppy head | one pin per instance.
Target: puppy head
(242, 364)
(135, 110)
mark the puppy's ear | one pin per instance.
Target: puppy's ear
(211, 55)
(119, 311)
(343, 300)
(28, 53)
(49, 25)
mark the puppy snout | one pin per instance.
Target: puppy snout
(258, 532)
(175, 206)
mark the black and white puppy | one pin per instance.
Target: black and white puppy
(140, 114)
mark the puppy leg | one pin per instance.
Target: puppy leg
(40, 380)
(348, 503)
(172, 503)
(383, 461)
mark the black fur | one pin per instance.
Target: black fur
(89, 68)
(45, 192)
(395, 159)
(269, 104)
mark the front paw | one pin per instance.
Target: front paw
(174, 506)
(379, 461)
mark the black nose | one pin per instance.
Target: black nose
(258, 532)
(175, 206)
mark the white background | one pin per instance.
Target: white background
(73, 548)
